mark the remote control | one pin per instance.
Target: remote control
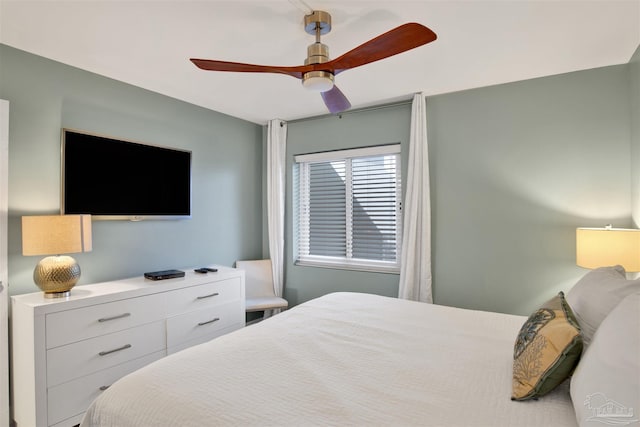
(205, 270)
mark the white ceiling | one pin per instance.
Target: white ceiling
(148, 43)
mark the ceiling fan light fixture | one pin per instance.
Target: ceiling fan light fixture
(319, 81)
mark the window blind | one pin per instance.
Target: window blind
(349, 209)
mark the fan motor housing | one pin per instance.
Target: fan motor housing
(317, 53)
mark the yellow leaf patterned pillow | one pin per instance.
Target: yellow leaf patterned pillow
(546, 351)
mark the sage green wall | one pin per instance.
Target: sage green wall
(514, 168)
(355, 129)
(634, 71)
(227, 162)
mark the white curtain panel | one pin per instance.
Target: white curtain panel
(276, 150)
(415, 264)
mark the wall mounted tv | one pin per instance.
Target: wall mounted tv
(118, 179)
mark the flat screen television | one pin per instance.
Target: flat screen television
(115, 179)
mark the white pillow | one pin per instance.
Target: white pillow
(605, 387)
(594, 296)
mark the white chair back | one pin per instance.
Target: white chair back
(258, 278)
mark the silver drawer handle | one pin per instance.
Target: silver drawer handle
(208, 321)
(215, 294)
(104, 387)
(124, 347)
(119, 316)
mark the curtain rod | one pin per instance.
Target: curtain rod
(359, 110)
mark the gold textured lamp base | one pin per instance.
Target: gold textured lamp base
(56, 275)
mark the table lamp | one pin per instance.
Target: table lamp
(601, 247)
(56, 235)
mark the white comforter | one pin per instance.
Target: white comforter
(342, 359)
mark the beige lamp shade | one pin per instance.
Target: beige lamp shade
(601, 247)
(56, 234)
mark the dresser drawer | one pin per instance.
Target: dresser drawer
(69, 326)
(199, 340)
(201, 323)
(201, 296)
(74, 397)
(86, 357)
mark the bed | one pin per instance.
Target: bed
(359, 359)
(341, 359)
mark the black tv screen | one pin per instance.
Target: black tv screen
(118, 179)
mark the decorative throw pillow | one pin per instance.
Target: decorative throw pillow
(594, 296)
(604, 386)
(546, 351)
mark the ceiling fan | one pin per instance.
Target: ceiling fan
(318, 71)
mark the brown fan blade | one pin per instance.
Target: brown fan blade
(400, 39)
(335, 100)
(213, 65)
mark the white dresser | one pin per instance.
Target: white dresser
(66, 351)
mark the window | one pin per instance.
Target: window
(348, 208)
